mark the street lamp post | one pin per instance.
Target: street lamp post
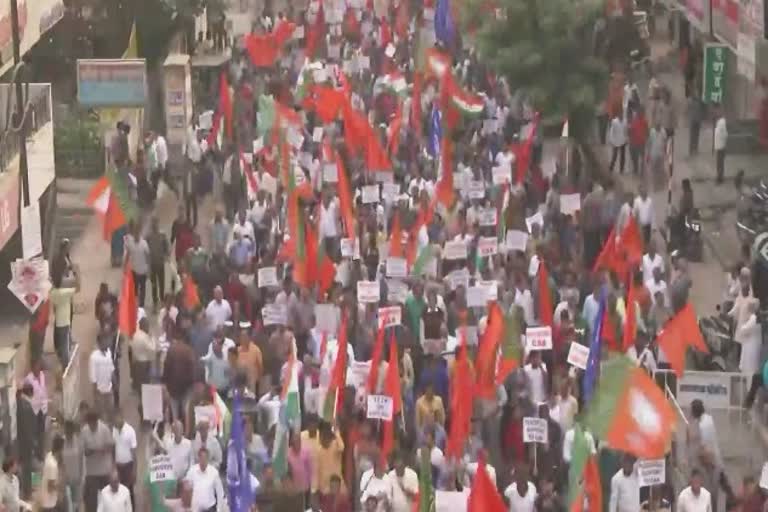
(20, 103)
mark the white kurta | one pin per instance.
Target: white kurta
(750, 335)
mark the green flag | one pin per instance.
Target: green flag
(426, 490)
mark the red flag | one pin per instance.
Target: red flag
(316, 32)
(283, 32)
(339, 372)
(545, 297)
(356, 129)
(261, 49)
(396, 238)
(523, 152)
(128, 309)
(462, 391)
(225, 104)
(630, 320)
(326, 101)
(376, 159)
(631, 242)
(345, 197)
(485, 362)
(679, 333)
(445, 192)
(378, 348)
(608, 254)
(190, 296)
(609, 331)
(483, 496)
(393, 131)
(41, 317)
(391, 389)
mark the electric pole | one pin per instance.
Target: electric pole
(20, 101)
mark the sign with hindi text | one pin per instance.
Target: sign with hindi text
(535, 430)
(538, 338)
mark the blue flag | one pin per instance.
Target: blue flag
(435, 132)
(241, 493)
(444, 26)
(595, 347)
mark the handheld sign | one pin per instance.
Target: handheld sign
(390, 316)
(380, 407)
(161, 468)
(535, 430)
(570, 203)
(370, 194)
(651, 472)
(578, 355)
(538, 338)
(368, 291)
(455, 250)
(516, 240)
(274, 314)
(487, 246)
(397, 267)
(268, 277)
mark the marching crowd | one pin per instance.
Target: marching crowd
(396, 290)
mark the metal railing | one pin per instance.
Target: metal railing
(39, 115)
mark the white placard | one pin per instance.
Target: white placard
(501, 175)
(325, 318)
(764, 477)
(390, 51)
(350, 248)
(516, 240)
(477, 296)
(274, 314)
(298, 32)
(487, 246)
(570, 203)
(370, 194)
(380, 407)
(258, 145)
(535, 430)
(538, 338)
(267, 276)
(368, 292)
(578, 355)
(475, 189)
(536, 218)
(391, 315)
(493, 288)
(330, 173)
(319, 76)
(397, 267)
(455, 250)
(652, 472)
(161, 469)
(31, 231)
(397, 291)
(451, 501)
(205, 121)
(317, 134)
(458, 278)
(389, 191)
(488, 217)
(205, 414)
(152, 402)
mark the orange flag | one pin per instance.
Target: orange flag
(444, 187)
(592, 488)
(545, 297)
(631, 242)
(485, 363)
(396, 240)
(630, 322)
(128, 309)
(345, 198)
(462, 390)
(483, 497)
(190, 296)
(679, 333)
(391, 389)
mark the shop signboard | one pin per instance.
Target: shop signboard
(715, 72)
(112, 82)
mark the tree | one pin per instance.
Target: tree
(544, 49)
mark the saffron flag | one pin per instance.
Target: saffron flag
(396, 238)
(462, 391)
(392, 390)
(544, 295)
(680, 332)
(483, 496)
(316, 32)
(485, 363)
(629, 411)
(445, 189)
(583, 475)
(630, 321)
(190, 295)
(128, 309)
(110, 199)
(334, 396)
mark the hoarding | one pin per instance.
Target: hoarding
(112, 82)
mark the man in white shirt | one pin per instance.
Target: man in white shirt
(657, 285)
(137, 254)
(207, 489)
(694, 498)
(521, 494)
(159, 147)
(625, 488)
(218, 310)
(617, 138)
(124, 437)
(568, 444)
(179, 449)
(536, 375)
(405, 485)
(642, 209)
(375, 482)
(651, 260)
(194, 154)
(721, 140)
(115, 497)
(204, 439)
(51, 476)
(101, 371)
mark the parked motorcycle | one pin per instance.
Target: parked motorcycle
(685, 236)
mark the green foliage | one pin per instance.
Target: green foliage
(78, 145)
(544, 48)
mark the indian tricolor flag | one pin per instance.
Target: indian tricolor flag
(629, 411)
(111, 200)
(393, 82)
(290, 416)
(467, 103)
